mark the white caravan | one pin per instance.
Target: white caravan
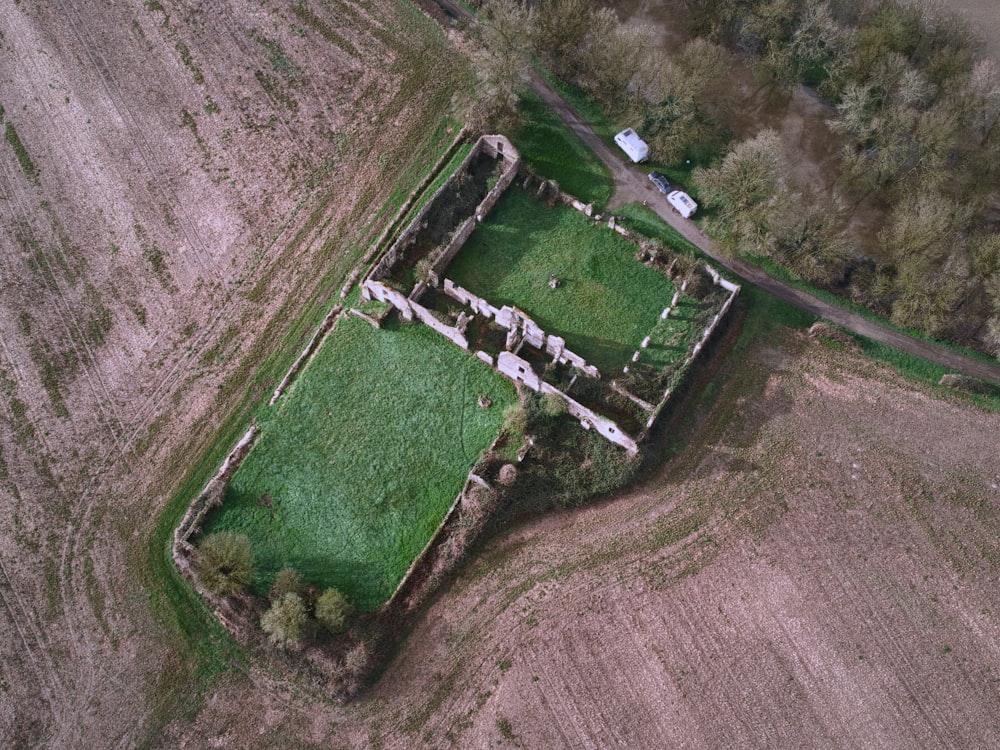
(629, 142)
(682, 203)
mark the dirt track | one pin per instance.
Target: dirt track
(631, 184)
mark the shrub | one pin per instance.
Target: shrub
(515, 420)
(286, 581)
(285, 621)
(553, 405)
(332, 611)
(224, 563)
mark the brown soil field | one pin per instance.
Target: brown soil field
(183, 187)
(817, 568)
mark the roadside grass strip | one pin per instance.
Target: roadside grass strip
(548, 145)
(350, 478)
(606, 301)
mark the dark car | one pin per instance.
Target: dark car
(661, 182)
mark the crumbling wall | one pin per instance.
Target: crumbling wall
(453, 334)
(406, 238)
(448, 253)
(520, 371)
(496, 146)
(372, 289)
(209, 498)
(734, 290)
(463, 296)
(607, 428)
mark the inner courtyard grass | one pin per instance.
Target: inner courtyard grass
(363, 458)
(607, 301)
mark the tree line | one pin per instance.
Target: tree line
(915, 103)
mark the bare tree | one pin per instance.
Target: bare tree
(749, 191)
(928, 240)
(504, 27)
(285, 621)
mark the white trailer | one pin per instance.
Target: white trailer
(629, 142)
(682, 203)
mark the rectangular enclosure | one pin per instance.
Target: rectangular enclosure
(604, 303)
(362, 460)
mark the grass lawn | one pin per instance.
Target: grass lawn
(608, 301)
(363, 458)
(549, 146)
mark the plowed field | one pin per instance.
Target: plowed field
(818, 568)
(183, 187)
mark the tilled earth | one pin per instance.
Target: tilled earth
(817, 568)
(176, 179)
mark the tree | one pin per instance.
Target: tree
(285, 621)
(287, 580)
(503, 28)
(750, 192)
(610, 57)
(686, 101)
(558, 33)
(928, 240)
(811, 240)
(224, 563)
(332, 610)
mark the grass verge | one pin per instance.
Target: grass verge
(550, 147)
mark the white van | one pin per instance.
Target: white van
(682, 203)
(629, 142)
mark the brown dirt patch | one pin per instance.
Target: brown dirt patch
(816, 569)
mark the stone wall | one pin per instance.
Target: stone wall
(496, 146)
(477, 304)
(520, 371)
(492, 145)
(384, 267)
(209, 498)
(372, 289)
(453, 334)
(325, 327)
(448, 253)
(734, 290)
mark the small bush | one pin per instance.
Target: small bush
(332, 611)
(224, 563)
(515, 420)
(287, 581)
(553, 405)
(285, 622)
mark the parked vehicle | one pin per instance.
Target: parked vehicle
(629, 142)
(661, 182)
(682, 203)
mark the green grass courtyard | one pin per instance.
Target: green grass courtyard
(363, 458)
(607, 301)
